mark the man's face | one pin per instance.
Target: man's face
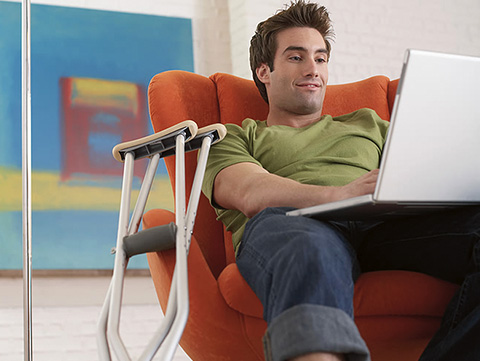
(298, 82)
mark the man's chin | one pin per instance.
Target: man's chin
(309, 109)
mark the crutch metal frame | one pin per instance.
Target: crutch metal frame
(176, 141)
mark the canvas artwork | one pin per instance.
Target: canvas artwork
(90, 73)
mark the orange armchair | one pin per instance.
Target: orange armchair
(397, 312)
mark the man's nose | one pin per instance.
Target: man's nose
(311, 68)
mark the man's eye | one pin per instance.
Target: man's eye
(321, 60)
(295, 58)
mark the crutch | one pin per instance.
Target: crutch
(176, 140)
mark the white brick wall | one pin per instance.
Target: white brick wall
(372, 35)
(211, 37)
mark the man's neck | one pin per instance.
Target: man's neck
(292, 120)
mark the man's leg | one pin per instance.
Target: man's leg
(302, 270)
(459, 333)
(445, 245)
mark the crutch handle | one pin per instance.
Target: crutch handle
(154, 239)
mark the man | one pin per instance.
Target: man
(303, 270)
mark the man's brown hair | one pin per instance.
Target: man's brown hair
(299, 14)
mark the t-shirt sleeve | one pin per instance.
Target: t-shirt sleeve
(235, 148)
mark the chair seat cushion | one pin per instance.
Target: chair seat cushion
(381, 293)
(401, 293)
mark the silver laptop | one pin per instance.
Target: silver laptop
(431, 158)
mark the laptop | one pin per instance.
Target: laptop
(431, 157)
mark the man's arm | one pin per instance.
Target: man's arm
(249, 188)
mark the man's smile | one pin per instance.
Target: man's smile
(309, 84)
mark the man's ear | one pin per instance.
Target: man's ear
(263, 73)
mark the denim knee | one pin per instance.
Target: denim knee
(311, 271)
(296, 260)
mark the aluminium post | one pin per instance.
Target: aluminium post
(26, 181)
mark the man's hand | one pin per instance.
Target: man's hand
(359, 187)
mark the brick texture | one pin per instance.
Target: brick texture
(372, 35)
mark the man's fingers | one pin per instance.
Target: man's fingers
(369, 177)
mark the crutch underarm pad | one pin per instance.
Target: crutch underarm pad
(156, 239)
(156, 143)
(215, 131)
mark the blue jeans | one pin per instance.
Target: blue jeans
(304, 270)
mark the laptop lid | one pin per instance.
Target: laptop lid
(432, 152)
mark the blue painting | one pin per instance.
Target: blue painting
(90, 73)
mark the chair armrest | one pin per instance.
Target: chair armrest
(160, 142)
(237, 293)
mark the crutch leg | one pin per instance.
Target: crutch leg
(205, 137)
(108, 326)
(121, 261)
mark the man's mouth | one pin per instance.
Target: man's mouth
(309, 85)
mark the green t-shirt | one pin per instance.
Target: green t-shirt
(330, 152)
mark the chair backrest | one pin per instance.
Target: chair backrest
(239, 98)
(177, 95)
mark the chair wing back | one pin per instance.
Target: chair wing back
(238, 99)
(173, 97)
(368, 93)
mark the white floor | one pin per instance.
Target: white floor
(65, 313)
